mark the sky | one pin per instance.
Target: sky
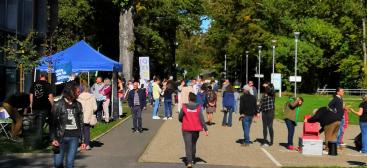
(205, 23)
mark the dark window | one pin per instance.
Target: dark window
(12, 15)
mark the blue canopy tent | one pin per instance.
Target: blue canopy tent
(82, 58)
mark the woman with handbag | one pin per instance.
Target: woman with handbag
(89, 106)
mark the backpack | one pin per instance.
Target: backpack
(211, 96)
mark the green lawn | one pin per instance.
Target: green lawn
(315, 101)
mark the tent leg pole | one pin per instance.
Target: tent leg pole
(34, 75)
(88, 78)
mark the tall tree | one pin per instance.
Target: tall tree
(126, 35)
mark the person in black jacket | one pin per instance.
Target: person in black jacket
(137, 102)
(247, 111)
(66, 127)
(329, 121)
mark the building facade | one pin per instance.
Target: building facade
(18, 18)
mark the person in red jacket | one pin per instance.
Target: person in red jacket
(192, 120)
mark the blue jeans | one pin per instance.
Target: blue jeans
(150, 97)
(290, 126)
(167, 108)
(246, 125)
(68, 146)
(363, 126)
(229, 117)
(340, 132)
(155, 109)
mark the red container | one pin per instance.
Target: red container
(310, 130)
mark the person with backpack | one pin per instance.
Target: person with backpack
(192, 120)
(291, 113)
(362, 113)
(211, 104)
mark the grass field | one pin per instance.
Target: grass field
(316, 101)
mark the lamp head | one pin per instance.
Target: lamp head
(296, 35)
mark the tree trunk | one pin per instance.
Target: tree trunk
(126, 29)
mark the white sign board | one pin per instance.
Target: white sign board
(276, 80)
(297, 79)
(259, 75)
(144, 68)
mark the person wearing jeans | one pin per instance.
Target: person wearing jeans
(247, 111)
(228, 104)
(291, 112)
(156, 95)
(167, 103)
(66, 128)
(68, 145)
(362, 113)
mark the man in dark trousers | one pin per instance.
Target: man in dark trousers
(137, 103)
(248, 111)
(41, 100)
(336, 105)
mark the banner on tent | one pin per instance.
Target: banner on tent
(63, 72)
(144, 68)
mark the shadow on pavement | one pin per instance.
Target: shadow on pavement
(351, 147)
(283, 145)
(97, 144)
(239, 141)
(196, 160)
(144, 129)
(261, 141)
(357, 163)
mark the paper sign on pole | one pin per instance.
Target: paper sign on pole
(297, 78)
(144, 68)
(276, 80)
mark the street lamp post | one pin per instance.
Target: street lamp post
(247, 66)
(273, 41)
(225, 66)
(258, 84)
(296, 35)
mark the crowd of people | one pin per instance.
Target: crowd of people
(80, 107)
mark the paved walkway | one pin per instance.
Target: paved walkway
(221, 147)
(161, 146)
(120, 148)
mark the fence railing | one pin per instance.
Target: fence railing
(325, 91)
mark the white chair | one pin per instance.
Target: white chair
(5, 121)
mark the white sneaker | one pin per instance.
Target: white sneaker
(156, 118)
(165, 118)
(170, 118)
